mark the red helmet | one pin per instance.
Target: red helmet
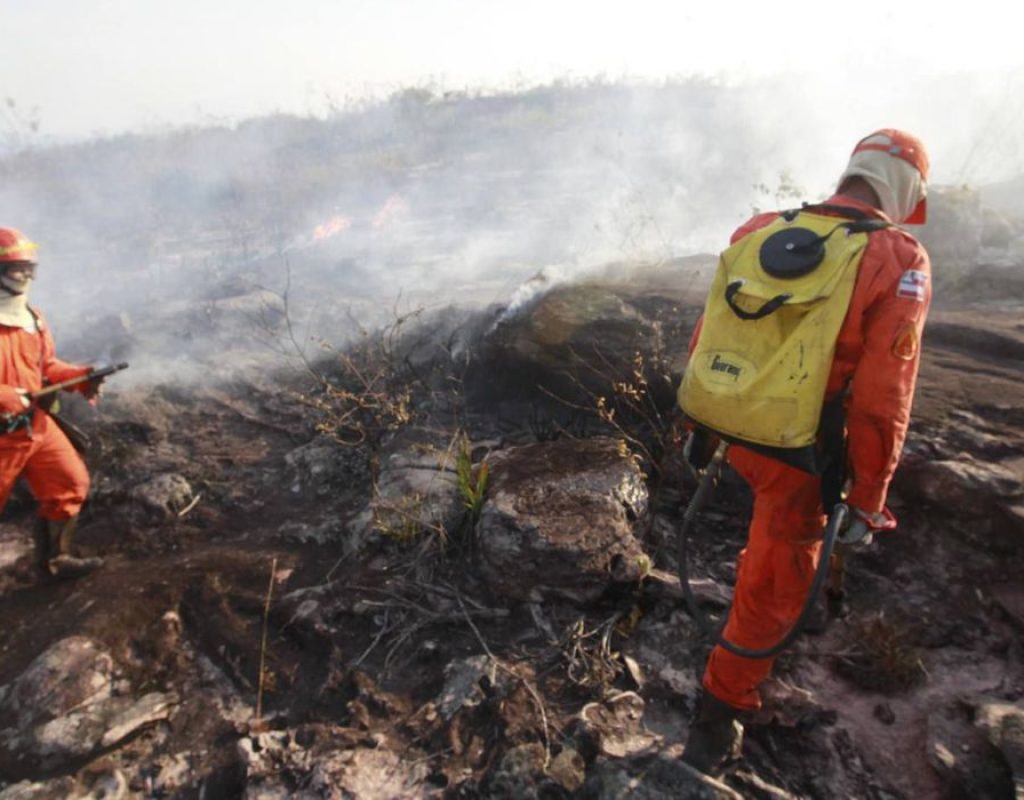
(907, 147)
(15, 246)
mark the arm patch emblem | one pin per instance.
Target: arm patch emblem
(904, 346)
(912, 285)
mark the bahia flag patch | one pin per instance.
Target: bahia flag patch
(912, 285)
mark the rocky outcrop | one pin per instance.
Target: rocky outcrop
(70, 703)
(164, 495)
(570, 341)
(324, 761)
(560, 519)
(963, 486)
(322, 466)
(416, 490)
(977, 747)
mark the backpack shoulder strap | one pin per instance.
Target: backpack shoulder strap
(860, 221)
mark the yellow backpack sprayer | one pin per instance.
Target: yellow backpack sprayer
(758, 374)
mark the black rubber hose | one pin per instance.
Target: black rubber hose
(835, 523)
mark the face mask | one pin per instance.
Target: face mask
(18, 280)
(898, 185)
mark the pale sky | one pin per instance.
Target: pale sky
(108, 66)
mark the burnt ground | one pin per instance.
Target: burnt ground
(181, 603)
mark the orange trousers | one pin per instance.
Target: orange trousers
(53, 469)
(774, 573)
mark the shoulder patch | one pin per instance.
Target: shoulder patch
(912, 285)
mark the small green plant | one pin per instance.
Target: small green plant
(472, 481)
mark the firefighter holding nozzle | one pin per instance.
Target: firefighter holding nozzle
(804, 365)
(31, 443)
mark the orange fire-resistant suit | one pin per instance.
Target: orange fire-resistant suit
(877, 356)
(42, 453)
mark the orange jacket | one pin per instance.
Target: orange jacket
(877, 352)
(26, 359)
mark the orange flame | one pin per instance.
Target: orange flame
(333, 226)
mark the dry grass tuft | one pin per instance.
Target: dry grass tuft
(880, 657)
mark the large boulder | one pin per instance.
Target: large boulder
(560, 518)
(572, 341)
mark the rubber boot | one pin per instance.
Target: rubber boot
(64, 564)
(716, 736)
(44, 548)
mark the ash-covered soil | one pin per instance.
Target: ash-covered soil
(235, 535)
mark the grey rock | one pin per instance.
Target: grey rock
(415, 499)
(278, 767)
(615, 726)
(520, 773)
(63, 707)
(125, 719)
(671, 651)
(1003, 723)
(368, 774)
(72, 673)
(559, 519)
(963, 755)
(97, 726)
(173, 774)
(323, 466)
(58, 789)
(165, 495)
(962, 485)
(416, 491)
(462, 685)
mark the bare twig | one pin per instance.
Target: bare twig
(384, 628)
(190, 506)
(507, 670)
(263, 642)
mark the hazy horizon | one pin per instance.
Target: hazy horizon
(104, 67)
(696, 117)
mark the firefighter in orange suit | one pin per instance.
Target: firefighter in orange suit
(31, 444)
(876, 361)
